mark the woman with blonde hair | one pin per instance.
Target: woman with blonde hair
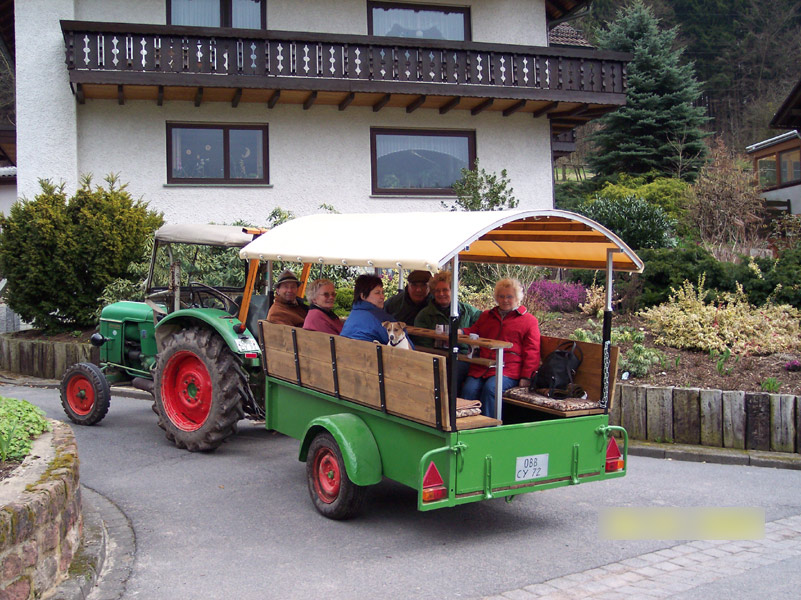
(321, 317)
(509, 321)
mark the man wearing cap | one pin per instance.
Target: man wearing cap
(287, 308)
(405, 306)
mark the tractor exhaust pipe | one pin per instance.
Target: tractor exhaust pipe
(140, 383)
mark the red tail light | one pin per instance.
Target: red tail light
(433, 486)
(614, 457)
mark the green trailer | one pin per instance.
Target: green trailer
(363, 411)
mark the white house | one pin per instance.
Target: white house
(218, 110)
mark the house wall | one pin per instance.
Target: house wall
(506, 21)
(316, 156)
(8, 196)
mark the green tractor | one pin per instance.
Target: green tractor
(192, 343)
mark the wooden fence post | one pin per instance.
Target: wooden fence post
(757, 421)
(687, 416)
(659, 414)
(782, 422)
(632, 411)
(734, 420)
(712, 418)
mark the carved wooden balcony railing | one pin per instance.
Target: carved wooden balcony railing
(130, 54)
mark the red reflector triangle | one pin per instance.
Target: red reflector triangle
(612, 450)
(432, 477)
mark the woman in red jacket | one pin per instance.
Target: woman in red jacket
(509, 321)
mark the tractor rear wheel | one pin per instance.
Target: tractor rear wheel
(199, 389)
(85, 394)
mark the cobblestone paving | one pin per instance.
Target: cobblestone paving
(671, 571)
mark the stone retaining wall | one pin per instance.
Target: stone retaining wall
(741, 420)
(40, 533)
(44, 359)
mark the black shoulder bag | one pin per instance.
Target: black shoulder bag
(557, 371)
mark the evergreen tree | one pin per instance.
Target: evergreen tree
(659, 129)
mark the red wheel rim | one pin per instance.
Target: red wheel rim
(186, 391)
(327, 477)
(80, 394)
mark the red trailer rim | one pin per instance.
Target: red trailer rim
(80, 394)
(186, 391)
(327, 477)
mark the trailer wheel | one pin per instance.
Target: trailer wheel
(199, 390)
(333, 493)
(85, 394)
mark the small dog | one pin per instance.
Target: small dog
(397, 334)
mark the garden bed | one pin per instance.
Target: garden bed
(687, 368)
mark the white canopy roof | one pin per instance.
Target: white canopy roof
(230, 236)
(552, 238)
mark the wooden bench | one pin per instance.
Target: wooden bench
(588, 377)
(399, 382)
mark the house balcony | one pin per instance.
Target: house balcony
(123, 61)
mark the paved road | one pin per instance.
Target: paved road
(240, 521)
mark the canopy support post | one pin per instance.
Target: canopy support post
(607, 331)
(270, 293)
(453, 344)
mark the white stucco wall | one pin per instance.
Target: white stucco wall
(508, 21)
(46, 134)
(316, 156)
(791, 193)
(499, 21)
(8, 196)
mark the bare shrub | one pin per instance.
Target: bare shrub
(725, 206)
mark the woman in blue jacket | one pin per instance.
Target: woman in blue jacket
(367, 314)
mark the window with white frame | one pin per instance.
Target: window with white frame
(216, 153)
(414, 161)
(423, 21)
(244, 14)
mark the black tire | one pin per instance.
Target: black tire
(333, 493)
(85, 394)
(199, 390)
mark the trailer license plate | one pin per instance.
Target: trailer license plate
(531, 467)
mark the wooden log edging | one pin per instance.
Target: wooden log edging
(714, 418)
(41, 531)
(42, 358)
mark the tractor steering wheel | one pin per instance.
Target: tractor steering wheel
(227, 301)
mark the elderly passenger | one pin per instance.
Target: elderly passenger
(321, 317)
(438, 312)
(287, 308)
(406, 305)
(364, 322)
(509, 322)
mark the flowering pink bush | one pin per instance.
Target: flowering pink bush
(559, 296)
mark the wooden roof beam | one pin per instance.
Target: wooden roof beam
(381, 103)
(274, 99)
(198, 96)
(449, 105)
(160, 96)
(415, 104)
(347, 101)
(545, 109)
(237, 97)
(307, 104)
(482, 107)
(120, 95)
(514, 108)
(79, 94)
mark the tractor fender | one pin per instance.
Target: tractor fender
(356, 442)
(218, 320)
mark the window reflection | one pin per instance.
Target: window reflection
(245, 14)
(197, 153)
(245, 154)
(217, 154)
(790, 163)
(423, 22)
(767, 171)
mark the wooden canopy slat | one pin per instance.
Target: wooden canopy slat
(502, 236)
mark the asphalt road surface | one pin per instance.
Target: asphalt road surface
(239, 522)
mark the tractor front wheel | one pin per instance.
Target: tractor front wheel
(199, 388)
(333, 493)
(85, 394)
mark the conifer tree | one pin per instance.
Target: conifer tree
(659, 129)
